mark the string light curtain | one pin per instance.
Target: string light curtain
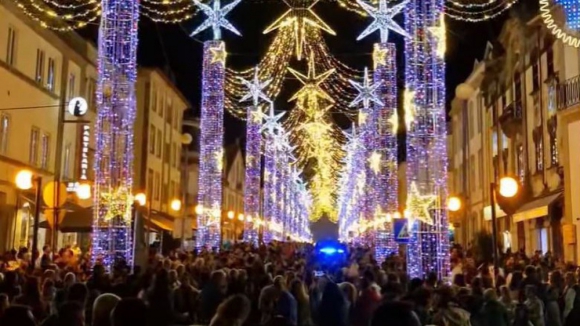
(424, 105)
(117, 67)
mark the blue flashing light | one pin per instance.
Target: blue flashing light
(328, 250)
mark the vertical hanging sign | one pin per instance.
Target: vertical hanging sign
(85, 139)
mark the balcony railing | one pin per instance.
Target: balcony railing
(511, 119)
(569, 93)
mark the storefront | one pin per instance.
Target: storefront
(540, 221)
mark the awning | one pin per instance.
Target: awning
(535, 208)
(487, 212)
(157, 225)
(78, 220)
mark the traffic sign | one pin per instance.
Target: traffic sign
(401, 230)
(49, 194)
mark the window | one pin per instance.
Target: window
(539, 152)
(153, 99)
(472, 175)
(152, 139)
(71, 86)
(169, 113)
(535, 77)
(157, 190)
(480, 163)
(161, 107)
(479, 114)
(11, 46)
(167, 154)
(552, 131)
(92, 94)
(39, 76)
(159, 140)
(45, 150)
(177, 156)
(164, 194)
(4, 130)
(50, 74)
(520, 162)
(33, 150)
(173, 192)
(494, 142)
(66, 163)
(150, 185)
(550, 60)
(518, 87)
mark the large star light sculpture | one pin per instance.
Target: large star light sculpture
(383, 22)
(311, 82)
(418, 205)
(216, 18)
(366, 91)
(255, 89)
(302, 19)
(271, 124)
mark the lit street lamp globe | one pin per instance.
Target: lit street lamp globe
(199, 209)
(176, 205)
(84, 191)
(454, 204)
(508, 187)
(230, 215)
(24, 180)
(141, 199)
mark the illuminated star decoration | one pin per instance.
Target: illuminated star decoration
(375, 162)
(362, 118)
(216, 18)
(218, 54)
(394, 121)
(300, 18)
(418, 205)
(383, 19)
(366, 91)
(379, 56)
(116, 203)
(311, 82)
(409, 106)
(271, 121)
(219, 156)
(255, 89)
(439, 33)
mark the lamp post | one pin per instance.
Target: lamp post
(26, 180)
(186, 140)
(507, 188)
(139, 199)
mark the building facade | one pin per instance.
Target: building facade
(508, 125)
(41, 73)
(233, 193)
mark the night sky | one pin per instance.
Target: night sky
(170, 47)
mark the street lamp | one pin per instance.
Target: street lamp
(508, 188)
(25, 180)
(84, 191)
(199, 209)
(231, 215)
(454, 204)
(176, 205)
(141, 199)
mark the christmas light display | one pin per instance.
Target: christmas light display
(564, 33)
(271, 128)
(385, 74)
(111, 237)
(216, 18)
(211, 125)
(301, 19)
(428, 250)
(383, 19)
(253, 155)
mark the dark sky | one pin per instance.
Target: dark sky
(171, 48)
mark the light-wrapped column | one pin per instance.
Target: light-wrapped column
(211, 145)
(253, 178)
(269, 200)
(426, 133)
(117, 67)
(385, 74)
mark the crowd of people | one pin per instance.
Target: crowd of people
(283, 284)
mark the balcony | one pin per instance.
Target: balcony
(511, 119)
(569, 93)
